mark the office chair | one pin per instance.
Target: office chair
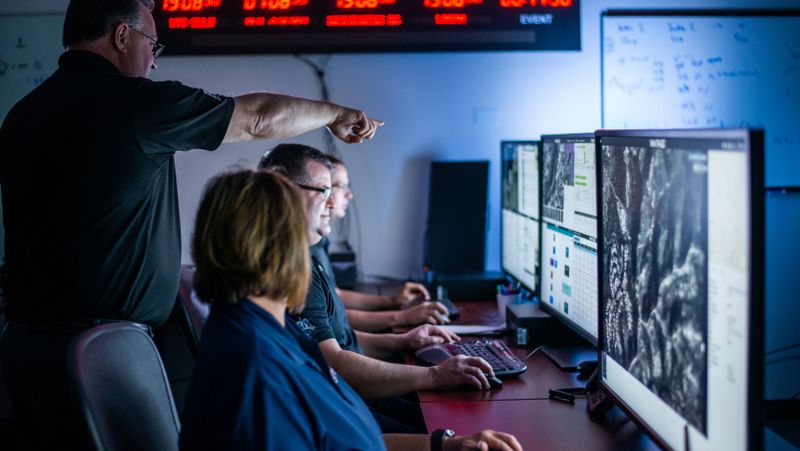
(120, 384)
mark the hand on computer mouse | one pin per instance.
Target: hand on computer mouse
(462, 370)
(494, 381)
(411, 291)
(427, 312)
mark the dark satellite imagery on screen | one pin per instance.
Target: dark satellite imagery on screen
(558, 170)
(655, 272)
(510, 183)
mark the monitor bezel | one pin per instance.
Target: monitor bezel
(544, 305)
(755, 378)
(538, 143)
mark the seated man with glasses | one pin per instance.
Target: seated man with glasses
(373, 312)
(357, 355)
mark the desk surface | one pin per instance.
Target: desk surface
(537, 424)
(521, 407)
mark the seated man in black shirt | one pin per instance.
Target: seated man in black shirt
(357, 355)
(373, 312)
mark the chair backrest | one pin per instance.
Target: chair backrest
(120, 383)
(193, 309)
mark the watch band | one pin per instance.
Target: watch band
(438, 436)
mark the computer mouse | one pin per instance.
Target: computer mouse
(494, 381)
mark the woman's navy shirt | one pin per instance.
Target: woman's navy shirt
(258, 385)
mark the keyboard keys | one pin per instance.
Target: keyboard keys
(495, 352)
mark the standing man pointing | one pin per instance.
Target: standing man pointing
(90, 202)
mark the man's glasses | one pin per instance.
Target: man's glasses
(326, 192)
(343, 188)
(157, 46)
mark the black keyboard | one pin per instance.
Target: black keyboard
(503, 361)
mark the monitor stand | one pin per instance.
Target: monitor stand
(567, 358)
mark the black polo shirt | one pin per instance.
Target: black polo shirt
(90, 202)
(324, 316)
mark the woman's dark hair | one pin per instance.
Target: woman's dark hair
(290, 160)
(88, 20)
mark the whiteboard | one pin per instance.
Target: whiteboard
(29, 49)
(672, 70)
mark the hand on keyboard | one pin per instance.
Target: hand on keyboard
(427, 335)
(462, 370)
(495, 352)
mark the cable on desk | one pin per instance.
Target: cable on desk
(532, 353)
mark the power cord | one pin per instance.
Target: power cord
(782, 348)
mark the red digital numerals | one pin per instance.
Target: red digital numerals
(276, 21)
(450, 19)
(191, 22)
(188, 5)
(450, 3)
(364, 20)
(363, 4)
(543, 3)
(272, 5)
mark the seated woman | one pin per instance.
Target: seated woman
(259, 382)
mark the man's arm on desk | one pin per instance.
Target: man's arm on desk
(363, 301)
(427, 312)
(374, 379)
(484, 441)
(386, 346)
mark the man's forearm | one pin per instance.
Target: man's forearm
(266, 115)
(362, 301)
(373, 379)
(381, 346)
(372, 321)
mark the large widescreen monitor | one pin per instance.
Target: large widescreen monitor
(681, 283)
(569, 231)
(520, 211)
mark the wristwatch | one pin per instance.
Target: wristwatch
(438, 437)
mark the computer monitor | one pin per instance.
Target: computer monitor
(681, 283)
(569, 232)
(520, 211)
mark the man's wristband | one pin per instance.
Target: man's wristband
(438, 436)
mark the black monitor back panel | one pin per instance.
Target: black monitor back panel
(455, 238)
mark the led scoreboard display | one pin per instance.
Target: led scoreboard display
(325, 26)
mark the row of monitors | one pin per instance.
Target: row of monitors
(649, 243)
